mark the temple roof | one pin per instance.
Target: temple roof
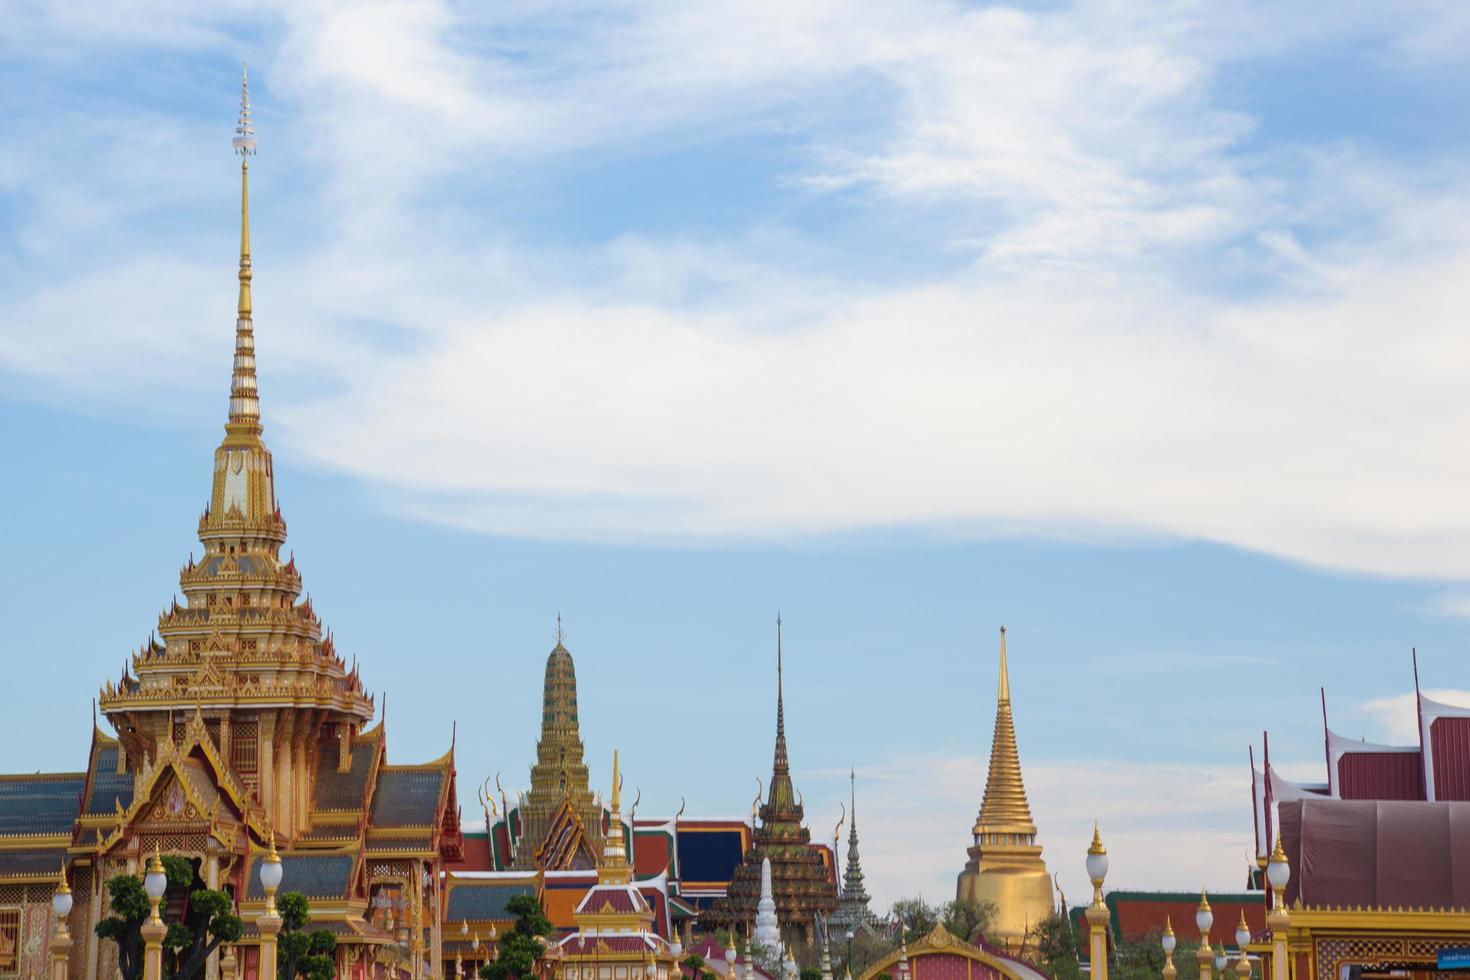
(408, 796)
(314, 875)
(108, 787)
(484, 901)
(37, 862)
(40, 804)
(346, 790)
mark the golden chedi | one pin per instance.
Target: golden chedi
(1005, 866)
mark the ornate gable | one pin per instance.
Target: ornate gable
(566, 846)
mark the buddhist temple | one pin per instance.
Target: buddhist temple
(558, 824)
(1005, 865)
(615, 938)
(803, 874)
(1376, 880)
(235, 723)
(681, 864)
(852, 900)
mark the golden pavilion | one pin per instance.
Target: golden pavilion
(1005, 865)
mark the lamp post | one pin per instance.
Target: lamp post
(1278, 873)
(1242, 940)
(61, 939)
(269, 923)
(155, 883)
(903, 961)
(1168, 942)
(1097, 912)
(1204, 919)
(729, 958)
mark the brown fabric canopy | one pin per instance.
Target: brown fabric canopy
(1377, 853)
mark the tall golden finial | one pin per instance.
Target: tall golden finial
(1004, 809)
(244, 397)
(1004, 689)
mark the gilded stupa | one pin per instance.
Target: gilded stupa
(560, 819)
(1005, 866)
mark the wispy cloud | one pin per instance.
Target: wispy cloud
(1153, 332)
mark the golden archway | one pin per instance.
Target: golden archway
(942, 956)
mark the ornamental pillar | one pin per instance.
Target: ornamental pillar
(60, 952)
(228, 964)
(155, 883)
(1278, 873)
(1097, 912)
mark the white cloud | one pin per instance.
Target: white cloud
(1394, 718)
(1074, 380)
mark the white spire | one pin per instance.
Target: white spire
(767, 928)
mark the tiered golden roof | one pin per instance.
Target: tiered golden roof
(1005, 865)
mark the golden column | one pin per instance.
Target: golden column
(1097, 912)
(1204, 918)
(269, 924)
(1167, 941)
(61, 939)
(228, 964)
(155, 883)
(1278, 873)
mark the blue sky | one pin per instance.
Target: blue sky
(1137, 327)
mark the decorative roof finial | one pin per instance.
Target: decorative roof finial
(1004, 692)
(560, 634)
(244, 397)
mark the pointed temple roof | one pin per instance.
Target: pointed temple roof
(559, 778)
(852, 904)
(1004, 809)
(803, 874)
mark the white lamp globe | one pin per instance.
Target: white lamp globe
(61, 901)
(1097, 866)
(1242, 935)
(155, 882)
(270, 873)
(1278, 873)
(729, 953)
(1220, 960)
(1168, 941)
(1204, 919)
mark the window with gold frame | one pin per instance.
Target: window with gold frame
(9, 940)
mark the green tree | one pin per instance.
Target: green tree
(1058, 948)
(811, 973)
(968, 920)
(208, 919)
(915, 918)
(300, 953)
(522, 946)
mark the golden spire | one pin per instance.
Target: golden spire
(615, 868)
(1004, 809)
(244, 398)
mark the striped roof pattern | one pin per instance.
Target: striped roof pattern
(484, 901)
(313, 875)
(39, 804)
(407, 797)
